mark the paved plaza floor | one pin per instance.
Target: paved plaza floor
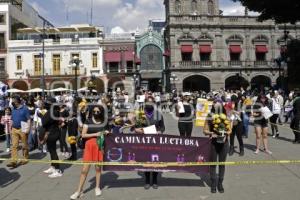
(273, 182)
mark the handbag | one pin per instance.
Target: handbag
(100, 142)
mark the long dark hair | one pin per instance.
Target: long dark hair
(260, 99)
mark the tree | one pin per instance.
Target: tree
(282, 11)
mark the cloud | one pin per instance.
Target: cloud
(39, 8)
(82, 5)
(234, 9)
(137, 14)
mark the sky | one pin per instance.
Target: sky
(121, 15)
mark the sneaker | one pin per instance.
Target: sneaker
(257, 151)
(7, 150)
(277, 135)
(67, 155)
(268, 152)
(49, 171)
(274, 136)
(155, 186)
(44, 150)
(147, 186)
(76, 195)
(98, 192)
(12, 165)
(57, 173)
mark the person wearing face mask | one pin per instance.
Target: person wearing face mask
(261, 124)
(153, 117)
(185, 112)
(94, 127)
(20, 129)
(219, 150)
(50, 122)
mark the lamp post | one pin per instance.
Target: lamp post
(173, 78)
(43, 36)
(75, 63)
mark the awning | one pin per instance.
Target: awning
(205, 49)
(186, 48)
(235, 49)
(129, 55)
(261, 49)
(112, 57)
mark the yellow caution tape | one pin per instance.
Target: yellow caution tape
(158, 164)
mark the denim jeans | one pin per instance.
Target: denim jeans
(246, 121)
(32, 140)
(8, 140)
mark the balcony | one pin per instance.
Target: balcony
(261, 63)
(236, 63)
(194, 64)
(51, 72)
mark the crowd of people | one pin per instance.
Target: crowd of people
(40, 122)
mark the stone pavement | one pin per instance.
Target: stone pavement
(266, 182)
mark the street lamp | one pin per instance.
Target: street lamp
(173, 78)
(75, 64)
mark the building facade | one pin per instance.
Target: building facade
(14, 14)
(59, 46)
(150, 52)
(119, 61)
(212, 51)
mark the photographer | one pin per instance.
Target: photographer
(52, 134)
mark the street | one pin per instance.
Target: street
(241, 182)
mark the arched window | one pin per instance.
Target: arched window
(178, 6)
(210, 7)
(194, 7)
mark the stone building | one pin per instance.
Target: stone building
(212, 51)
(15, 14)
(60, 45)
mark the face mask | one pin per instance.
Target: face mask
(96, 115)
(149, 108)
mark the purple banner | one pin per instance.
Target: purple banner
(156, 148)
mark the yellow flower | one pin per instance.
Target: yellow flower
(216, 116)
(218, 121)
(226, 122)
(228, 127)
(216, 126)
(223, 116)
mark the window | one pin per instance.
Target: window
(186, 56)
(113, 67)
(210, 7)
(19, 62)
(2, 64)
(37, 65)
(260, 56)
(194, 7)
(56, 64)
(205, 56)
(2, 41)
(2, 18)
(235, 56)
(95, 60)
(178, 6)
(129, 65)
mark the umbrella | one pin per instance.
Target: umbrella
(60, 90)
(35, 90)
(14, 90)
(82, 89)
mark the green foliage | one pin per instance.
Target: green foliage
(282, 11)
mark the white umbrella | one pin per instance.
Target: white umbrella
(35, 90)
(14, 90)
(60, 90)
(82, 89)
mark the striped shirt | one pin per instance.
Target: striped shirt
(7, 122)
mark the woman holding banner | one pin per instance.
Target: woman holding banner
(153, 117)
(219, 146)
(93, 128)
